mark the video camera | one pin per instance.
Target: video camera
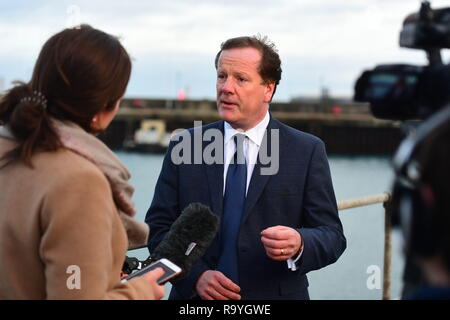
(405, 92)
(409, 92)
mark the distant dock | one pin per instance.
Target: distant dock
(346, 128)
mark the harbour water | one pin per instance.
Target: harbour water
(357, 275)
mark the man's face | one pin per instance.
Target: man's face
(242, 97)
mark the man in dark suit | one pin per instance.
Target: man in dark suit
(270, 185)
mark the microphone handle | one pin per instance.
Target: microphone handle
(132, 264)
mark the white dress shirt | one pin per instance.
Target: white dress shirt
(252, 143)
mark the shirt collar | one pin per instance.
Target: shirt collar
(255, 134)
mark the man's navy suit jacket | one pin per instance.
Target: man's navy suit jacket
(300, 195)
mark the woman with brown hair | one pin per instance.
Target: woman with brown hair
(65, 200)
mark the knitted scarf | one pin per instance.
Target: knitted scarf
(74, 138)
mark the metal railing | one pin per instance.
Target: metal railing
(384, 198)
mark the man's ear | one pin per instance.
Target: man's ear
(268, 91)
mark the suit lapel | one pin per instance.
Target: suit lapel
(258, 181)
(214, 173)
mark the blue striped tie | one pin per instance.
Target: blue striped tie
(233, 208)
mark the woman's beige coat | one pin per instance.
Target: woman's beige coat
(60, 233)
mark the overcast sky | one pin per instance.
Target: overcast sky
(173, 42)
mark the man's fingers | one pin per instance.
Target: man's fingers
(228, 288)
(277, 233)
(215, 295)
(275, 244)
(276, 257)
(281, 242)
(215, 285)
(228, 284)
(284, 253)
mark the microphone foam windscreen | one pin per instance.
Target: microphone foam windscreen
(189, 237)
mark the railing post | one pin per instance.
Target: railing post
(387, 251)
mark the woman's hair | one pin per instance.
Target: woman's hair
(79, 72)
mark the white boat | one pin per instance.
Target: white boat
(151, 137)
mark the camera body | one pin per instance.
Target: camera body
(404, 92)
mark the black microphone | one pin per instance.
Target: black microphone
(189, 237)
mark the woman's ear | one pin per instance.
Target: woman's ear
(103, 118)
